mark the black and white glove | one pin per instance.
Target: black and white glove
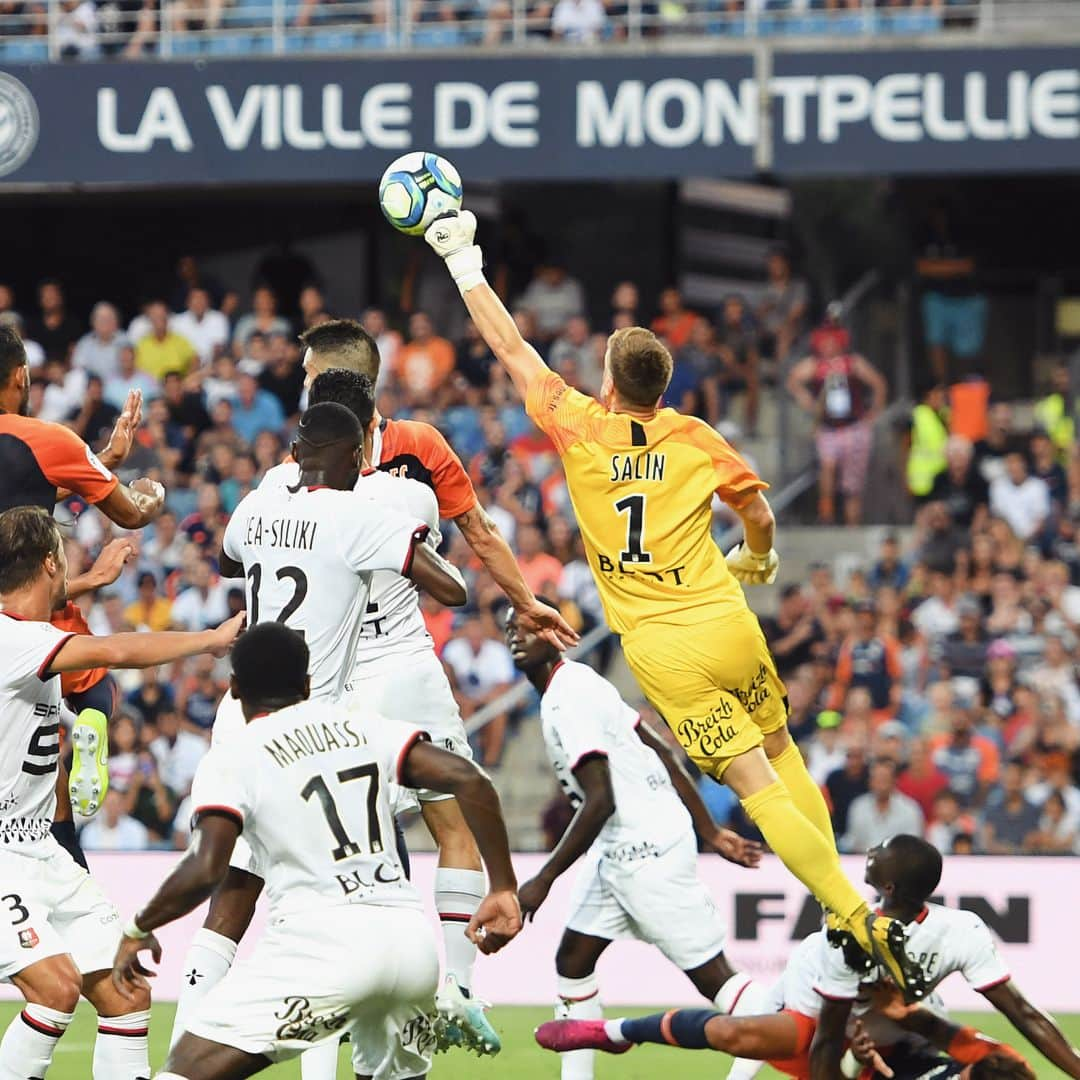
(753, 569)
(452, 238)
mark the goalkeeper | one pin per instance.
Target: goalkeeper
(642, 478)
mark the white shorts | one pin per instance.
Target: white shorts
(658, 899)
(367, 970)
(49, 906)
(229, 720)
(414, 690)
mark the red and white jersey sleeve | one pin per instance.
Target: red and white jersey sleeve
(583, 716)
(29, 733)
(945, 940)
(816, 973)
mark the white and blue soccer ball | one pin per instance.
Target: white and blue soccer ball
(416, 189)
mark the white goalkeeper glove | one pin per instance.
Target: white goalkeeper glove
(753, 569)
(452, 237)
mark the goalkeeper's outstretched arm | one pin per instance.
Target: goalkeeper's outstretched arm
(452, 237)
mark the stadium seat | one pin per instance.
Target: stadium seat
(24, 51)
(335, 41)
(231, 45)
(923, 21)
(437, 37)
(187, 45)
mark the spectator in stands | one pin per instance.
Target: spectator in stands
(1010, 818)
(162, 352)
(793, 632)
(1000, 441)
(921, 779)
(890, 570)
(553, 297)
(542, 571)
(950, 822)
(199, 323)
(573, 348)
(150, 801)
(676, 322)
(255, 409)
(963, 651)
(98, 352)
(954, 313)
(177, 753)
(54, 329)
(1022, 500)
(782, 309)
(961, 487)
(482, 670)
(938, 616)
(695, 380)
(970, 761)
(579, 21)
(7, 299)
(882, 812)
(93, 419)
(844, 785)
(283, 375)
(1054, 413)
(937, 539)
(149, 611)
(927, 441)
(521, 502)
(151, 697)
(114, 829)
(1057, 675)
(75, 31)
(204, 603)
(1058, 829)
(128, 377)
(423, 366)
(844, 392)
(871, 660)
(312, 306)
(262, 317)
(737, 342)
(625, 306)
(1046, 467)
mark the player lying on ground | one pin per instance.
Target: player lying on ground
(58, 931)
(348, 948)
(308, 550)
(642, 480)
(640, 879)
(40, 463)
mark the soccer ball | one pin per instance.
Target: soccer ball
(416, 189)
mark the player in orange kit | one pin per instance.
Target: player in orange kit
(642, 480)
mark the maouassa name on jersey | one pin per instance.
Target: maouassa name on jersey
(308, 558)
(393, 624)
(29, 733)
(583, 716)
(309, 786)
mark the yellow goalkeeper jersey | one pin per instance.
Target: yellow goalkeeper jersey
(642, 492)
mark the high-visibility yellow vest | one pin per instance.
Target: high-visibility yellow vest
(1052, 417)
(929, 438)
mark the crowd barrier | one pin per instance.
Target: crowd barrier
(1028, 904)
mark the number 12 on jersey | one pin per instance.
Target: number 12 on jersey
(634, 507)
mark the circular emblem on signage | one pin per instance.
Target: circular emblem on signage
(18, 124)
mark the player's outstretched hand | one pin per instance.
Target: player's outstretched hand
(128, 973)
(110, 563)
(226, 634)
(531, 895)
(735, 848)
(540, 619)
(887, 1000)
(866, 1052)
(496, 923)
(127, 424)
(751, 568)
(451, 233)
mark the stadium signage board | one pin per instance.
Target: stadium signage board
(542, 117)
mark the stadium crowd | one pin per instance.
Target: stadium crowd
(933, 691)
(92, 29)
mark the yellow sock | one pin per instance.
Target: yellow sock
(806, 795)
(806, 853)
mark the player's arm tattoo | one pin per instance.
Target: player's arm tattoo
(483, 536)
(1038, 1028)
(196, 875)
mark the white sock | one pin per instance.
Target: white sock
(457, 896)
(741, 996)
(744, 1069)
(208, 959)
(26, 1049)
(320, 1062)
(579, 999)
(613, 1030)
(121, 1050)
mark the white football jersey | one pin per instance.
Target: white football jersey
(309, 785)
(815, 972)
(393, 624)
(583, 716)
(308, 558)
(29, 731)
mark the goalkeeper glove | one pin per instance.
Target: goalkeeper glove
(751, 568)
(451, 238)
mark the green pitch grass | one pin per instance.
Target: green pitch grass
(521, 1058)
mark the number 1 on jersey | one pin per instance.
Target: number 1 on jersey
(634, 506)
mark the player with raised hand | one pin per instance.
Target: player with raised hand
(642, 479)
(58, 931)
(307, 785)
(632, 825)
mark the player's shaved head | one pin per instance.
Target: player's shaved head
(354, 391)
(1001, 1067)
(640, 366)
(327, 424)
(28, 536)
(905, 868)
(328, 446)
(270, 667)
(340, 343)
